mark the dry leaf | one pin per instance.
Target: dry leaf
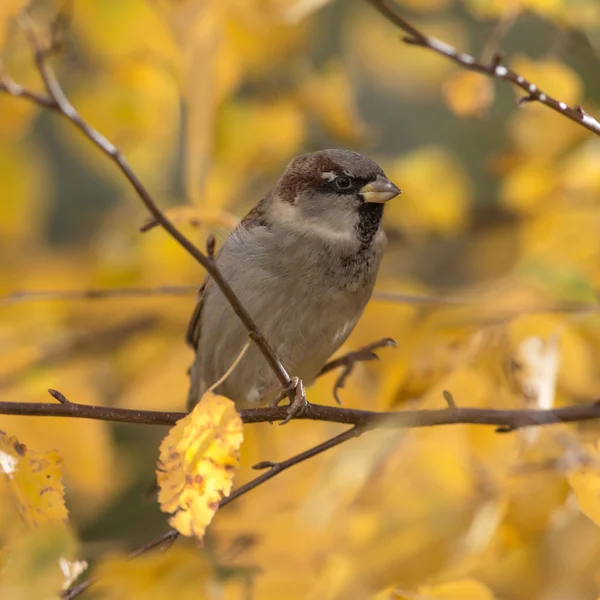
(198, 459)
(35, 481)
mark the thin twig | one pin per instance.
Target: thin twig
(164, 540)
(509, 419)
(184, 290)
(97, 293)
(494, 68)
(56, 100)
(78, 589)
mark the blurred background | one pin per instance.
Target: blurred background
(494, 241)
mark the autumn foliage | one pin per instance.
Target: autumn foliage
(489, 287)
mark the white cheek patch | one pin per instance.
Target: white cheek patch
(287, 214)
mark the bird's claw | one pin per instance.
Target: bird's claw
(299, 404)
(348, 362)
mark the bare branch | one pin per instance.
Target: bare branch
(410, 419)
(18, 296)
(493, 69)
(97, 293)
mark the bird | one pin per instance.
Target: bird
(303, 263)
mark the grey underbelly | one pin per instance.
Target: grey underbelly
(304, 328)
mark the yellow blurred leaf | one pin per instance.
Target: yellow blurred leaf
(8, 10)
(579, 172)
(426, 205)
(182, 573)
(493, 9)
(16, 116)
(464, 589)
(584, 479)
(328, 96)
(564, 238)
(529, 187)
(39, 563)
(374, 42)
(135, 104)
(35, 482)
(469, 94)
(24, 190)
(135, 28)
(258, 135)
(198, 459)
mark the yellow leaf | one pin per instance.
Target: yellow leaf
(427, 205)
(493, 9)
(373, 41)
(25, 185)
(584, 479)
(135, 28)
(129, 101)
(258, 135)
(182, 573)
(197, 462)
(35, 481)
(580, 173)
(8, 10)
(328, 96)
(39, 563)
(463, 589)
(529, 187)
(469, 94)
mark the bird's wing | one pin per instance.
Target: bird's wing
(192, 335)
(254, 218)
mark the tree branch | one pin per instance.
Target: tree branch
(493, 69)
(55, 99)
(97, 293)
(507, 419)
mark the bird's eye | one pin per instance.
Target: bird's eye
(343, 183)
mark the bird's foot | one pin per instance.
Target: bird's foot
(348, 362)
(298, 404)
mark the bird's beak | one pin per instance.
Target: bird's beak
(379, 191)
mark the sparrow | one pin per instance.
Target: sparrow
(303, 262)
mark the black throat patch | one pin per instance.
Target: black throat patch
(369, 220)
